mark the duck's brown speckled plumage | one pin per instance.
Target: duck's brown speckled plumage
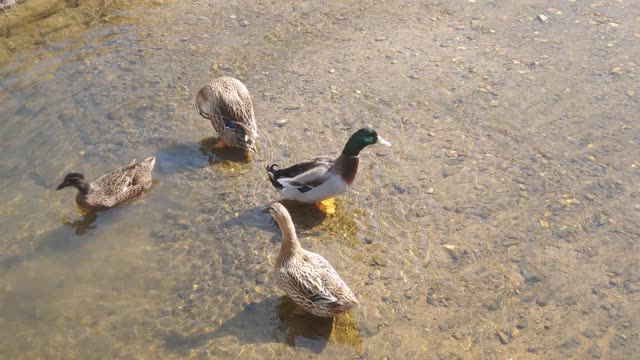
(308, 278)
(226, 102)
(113, 188)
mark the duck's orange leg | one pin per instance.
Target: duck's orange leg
(327, 206)
(220, 144)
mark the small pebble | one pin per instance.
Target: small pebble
(281, 122)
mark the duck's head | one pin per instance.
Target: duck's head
(76, 180)
(277, 211)
(361, 139)
(241, 136)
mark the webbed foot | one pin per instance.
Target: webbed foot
(327, 206)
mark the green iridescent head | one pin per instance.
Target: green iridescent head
(361, 139)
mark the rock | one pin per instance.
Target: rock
(510, 242)
(379, 262)
(482, 214)
(530, 273)
(453, 251)
(504, 338)
(542, 18)
(542, 299)
(569, 345)
(618, 341)
(632, 287)
(227, 260)
(281, 122)
(454, 161)
(616, 71)
(450, 170)
(595, 352)
(563, 232)
(522, 324)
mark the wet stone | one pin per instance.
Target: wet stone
(454, 161)
(261, 279)
(632, 287)
(570, 345)
(379, 262)
(522, 324)
(595, 352)
(542, 299)
(617, 342)
(399, 188)
(227, 260)
(450, 170)
(504, 338)
(563, 232)
(510, 242)
(481, 213)
(530, 273)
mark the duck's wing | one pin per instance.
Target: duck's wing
(308, 285)
(121, 180)
(236, 109)
(303, 176)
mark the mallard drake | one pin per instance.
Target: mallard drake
(323, 177)
(306, 277)
(113, 188)
(226, 102)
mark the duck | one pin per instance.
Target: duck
(226, 102)
(111, 189)
(320, 179)
(306, 277)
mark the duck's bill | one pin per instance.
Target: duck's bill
(383, 141)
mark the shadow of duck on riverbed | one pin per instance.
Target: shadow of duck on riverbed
(277, 319)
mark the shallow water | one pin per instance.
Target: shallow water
(503, 223)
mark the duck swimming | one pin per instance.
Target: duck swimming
(113, 188)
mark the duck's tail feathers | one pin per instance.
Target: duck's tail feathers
(151, 160)
(271, 171)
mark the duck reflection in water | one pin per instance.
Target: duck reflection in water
(82, 226)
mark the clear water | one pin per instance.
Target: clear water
(503, 223)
